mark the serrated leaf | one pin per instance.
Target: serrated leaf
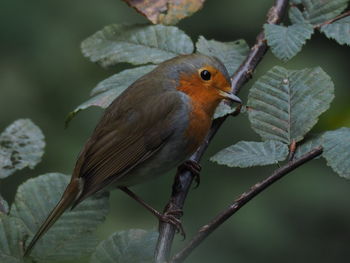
(286, 42)
(336, 145)
(167, 12)
(231, 54)
(11, 239)
(134, 245)
(296, 16)
(136, 44)
(319, 11)
(4, 207)
(109, 89)
(21, 145)
(307, 146)
(101, 100)
(285, 104)
(338, 30)
(248, 154)
(122, 80)
(72, 235)
(224, 109)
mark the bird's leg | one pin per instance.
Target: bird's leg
(194, 168)
(168, 217)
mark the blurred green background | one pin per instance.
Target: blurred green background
(43, 76)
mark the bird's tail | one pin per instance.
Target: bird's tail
(68, 197)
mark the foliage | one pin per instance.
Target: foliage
(66, 239)
(166, 12)
(136, 44)
(309, 143)
(231, 54)
(319, 11)
(21, 145)
(336, 151)
(107, 90)
(133, 245)
(283, 99)
(339, 31)
(12, 235)
(247, 154)
(283, 107)
(286, 42)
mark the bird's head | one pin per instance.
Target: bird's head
(204, 79)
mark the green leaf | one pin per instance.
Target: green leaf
(319, 11)
(134, 245)
(247, 154)
(11, 239)
(296, 2)
(4, 207)
(308, 145)
(109, 89)
(232, 54)
(224, 109)
(21, 145)
(72, 235)
(166, 12)
(296, 16)
(286, 42)
(136, 44)
(339, 30)
(101, 100)
(122, 80)
(336, 145)
(285, 104)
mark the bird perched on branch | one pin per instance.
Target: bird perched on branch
(152, 127)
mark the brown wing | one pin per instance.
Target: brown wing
(126, 136)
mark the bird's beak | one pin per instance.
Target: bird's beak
(230, 96)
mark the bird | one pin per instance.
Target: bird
(156, 124)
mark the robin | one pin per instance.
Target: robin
(152, 127)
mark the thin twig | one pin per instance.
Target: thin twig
(241, 201)
(292, 149)
(183, 180)
(330, 21)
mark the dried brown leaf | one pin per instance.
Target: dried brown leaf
(167, 12)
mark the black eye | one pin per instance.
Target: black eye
(205, 75)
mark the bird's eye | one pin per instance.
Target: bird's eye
(205, 75)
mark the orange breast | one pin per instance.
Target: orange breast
(199, 125)
(204, 98)
(203, 102)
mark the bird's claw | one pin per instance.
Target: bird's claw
(170, 217)
(195, 168)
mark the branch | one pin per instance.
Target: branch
(330, 21)
(206, 230)
(183, 180)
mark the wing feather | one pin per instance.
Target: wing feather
(123, 139)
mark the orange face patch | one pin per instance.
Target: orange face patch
(217, 79)
(206, 93)
(205, 97)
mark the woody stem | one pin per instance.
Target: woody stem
(347, 13)
(243, 199)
